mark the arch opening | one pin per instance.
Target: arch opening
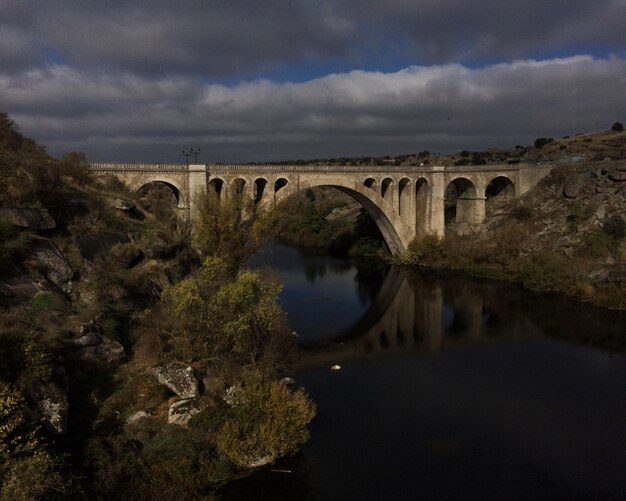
(312, 212)
(259, 189)
(280, 184)
(216, 185)
(500, 187)
(161, 199)
(370, 183)
(459, 201)
(386, 188)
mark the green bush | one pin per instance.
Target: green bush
(268, 420)
(46, 301)
(599, 243)
(427, 250)
(542, 272)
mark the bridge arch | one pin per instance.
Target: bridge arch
(379, 209)
(500, 187)
(460, 200)
(279, 184)
(258, 189)
(216, 185)
(175, 188)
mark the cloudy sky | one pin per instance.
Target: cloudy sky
(245, 80)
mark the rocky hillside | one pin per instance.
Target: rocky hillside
(566, 235)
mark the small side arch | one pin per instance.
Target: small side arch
(500, 187)
(258, 189)
(460, 200)
(216, 185)
(279, 184)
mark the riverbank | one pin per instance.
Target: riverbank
(566, 235)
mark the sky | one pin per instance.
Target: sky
(244, 80)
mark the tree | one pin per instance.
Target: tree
(540, 142)
(266, 421)
(231, 228)
(617, 127)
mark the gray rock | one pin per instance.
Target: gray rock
(617, 176)
(179, 378)
(52, 407)
(181, 411)
(89, 339)
(574, 183)
(124, 205)
(259, 461)
(137, 416)
(52, 263)
(36, 219)
(108, 351)
(19, 289)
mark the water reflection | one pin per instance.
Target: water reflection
(430, 314)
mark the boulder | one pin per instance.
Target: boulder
(574, 183)
(18, 289)
(108, 351)
(52, 263)
(137, 416)
(618, 176)
(123, 205)
(179, 378)
(181, 411)
(35, 219)
(88, 339)
(52, 407)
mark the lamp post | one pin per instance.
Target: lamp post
(193, 152)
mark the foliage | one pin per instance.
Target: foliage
(35, 477)
(540, 142)
(541, 272)
(598, 243)
(231, 228)
(615, 227)
(427, 250)
(267, 420)
(224, 319)
(617, 127)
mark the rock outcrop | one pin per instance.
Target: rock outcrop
(34, 219)
(181, 411)
(52, 407)
(179, 378)
(52, 264)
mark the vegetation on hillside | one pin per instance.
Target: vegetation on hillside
(99, 287)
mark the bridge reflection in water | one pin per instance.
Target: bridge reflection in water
(424, 315)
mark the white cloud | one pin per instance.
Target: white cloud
(118, 116)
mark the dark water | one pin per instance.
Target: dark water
(449, 389)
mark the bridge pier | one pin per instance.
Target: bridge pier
(470, 210)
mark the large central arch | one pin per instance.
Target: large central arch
(378, 208)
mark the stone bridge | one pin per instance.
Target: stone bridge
(404, 201)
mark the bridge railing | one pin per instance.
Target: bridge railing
(126, 167)
(362, 169)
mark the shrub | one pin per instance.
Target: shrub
(427, 250)
(542, 272)
(617, 127)
(615, 226)
(540, 142)
(267, 420)
(599, 243)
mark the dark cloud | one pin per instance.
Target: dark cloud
(120, 117)
(235, 38)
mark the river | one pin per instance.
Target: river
(449, 388)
